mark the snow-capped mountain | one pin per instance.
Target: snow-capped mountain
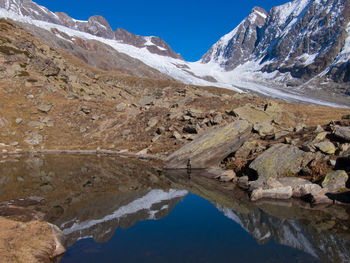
(303, 38)
(96, 25)
(288, 53)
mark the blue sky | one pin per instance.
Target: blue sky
(190, 27)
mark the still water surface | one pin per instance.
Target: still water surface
(114, 209)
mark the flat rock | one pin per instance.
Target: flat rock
(211, 148)
(281, 193)
(335, 181)
(252, 114)
(343, 133)
(279, 161)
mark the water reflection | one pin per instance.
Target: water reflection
(92, 198)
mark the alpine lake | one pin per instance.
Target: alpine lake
(119, 209)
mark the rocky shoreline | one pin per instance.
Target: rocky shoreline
(271, 161)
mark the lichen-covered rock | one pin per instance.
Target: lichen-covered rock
(211, 148)
(280, 160)
(326, 147)
(335, 181)
(264, 129)
(252, 114)
(343, 133)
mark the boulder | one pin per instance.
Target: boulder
(326, 147)
(335, 181)
(45, 108)
(300, 186)
(252, 114)
(264, 129)
(121, 107)
(194, 113)
(211, 148)
(246, 149)
(176, 135)
(191, 129)
(228, 176)
(281, 193)
(279, 161)
(152, 122)
(343, 133)
(243, 182)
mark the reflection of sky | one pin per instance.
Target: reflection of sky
(195, 231)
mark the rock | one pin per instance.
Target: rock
(279, 161)
(299, 127)
(346, 117)
(306, 189)
(176, 135)
(155, 138)
(300, 186)
(281, 193)
(335, 181)
(160, 130)
(189, 137)
(3, 122)
(194, 113)
(252, 114)
(318, 197)
(211, 148)
(228, 176)
(246, 149)
(320, 137)
(45, 108)
(243, 182)
(332, 162)
(19, 120)
(143, 152)
(217, 119)
(280, 134)
(152, 122)
(191, 129)
(121, 107)
(319, 129)
(146, 101)
(326, 147)
(186, 118)
(33, 138)
(342, 133)
(264, 129)
(85, 109)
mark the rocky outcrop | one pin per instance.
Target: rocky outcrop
(211, 148)
(335, 181)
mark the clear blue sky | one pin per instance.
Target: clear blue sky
(190, 27)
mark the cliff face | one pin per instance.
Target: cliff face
(302, 38)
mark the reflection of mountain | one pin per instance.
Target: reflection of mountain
(324, 245)
(322, 232)
(101, 224)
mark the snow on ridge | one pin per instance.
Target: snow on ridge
(143, 203)
(244, 77)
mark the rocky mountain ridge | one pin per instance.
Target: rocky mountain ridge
(96, 25)
(302, 39)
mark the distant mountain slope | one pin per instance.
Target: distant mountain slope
(96, 25)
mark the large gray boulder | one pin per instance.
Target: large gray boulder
(211, 148)
(343, 133)
(280, 160)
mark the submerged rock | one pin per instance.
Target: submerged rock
(281, 193)
(211, 148)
